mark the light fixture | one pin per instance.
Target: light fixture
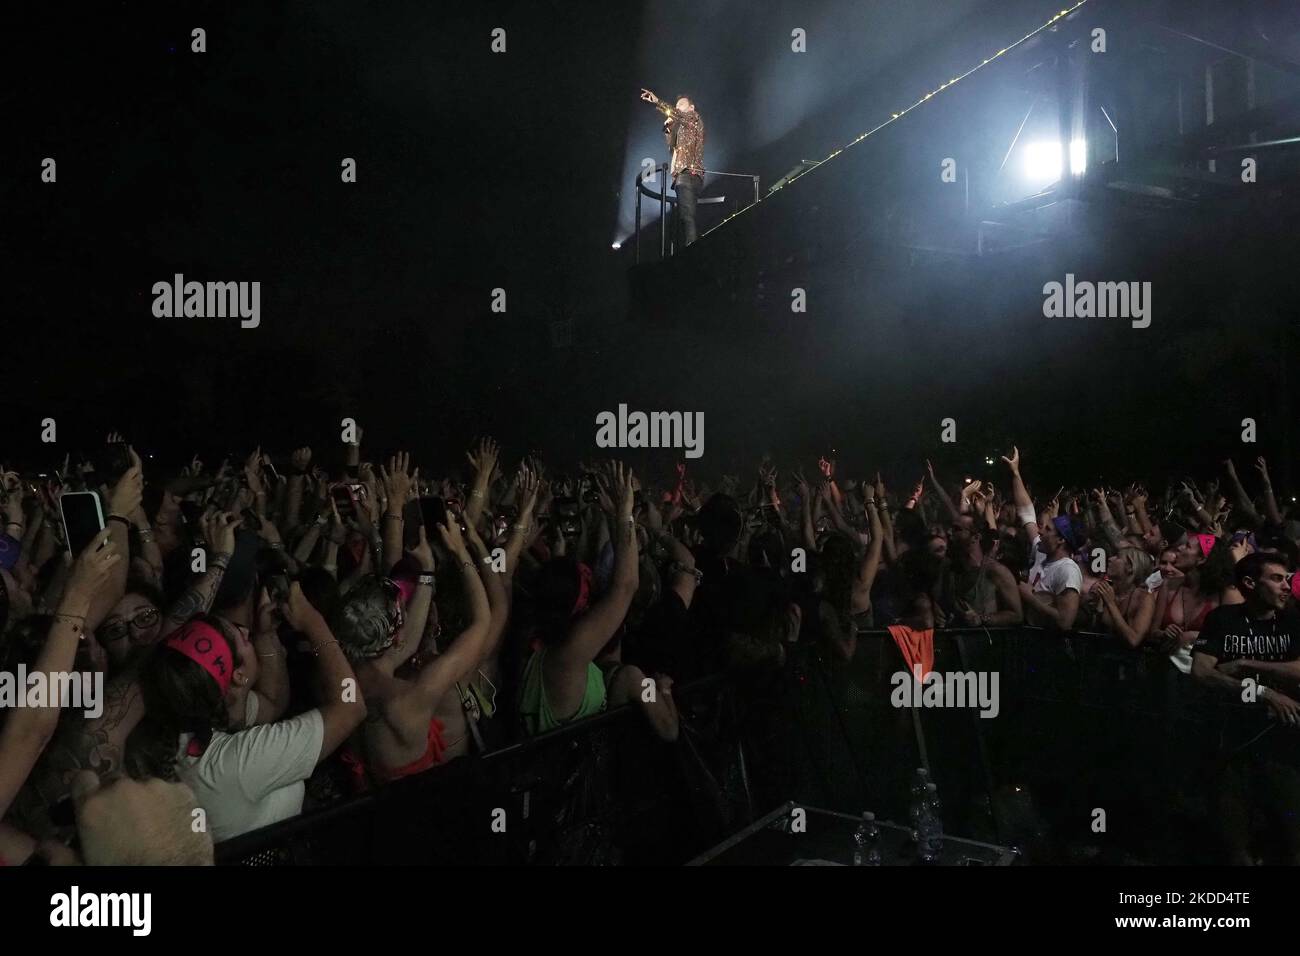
(1044, 161)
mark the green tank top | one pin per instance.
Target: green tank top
(535, 708)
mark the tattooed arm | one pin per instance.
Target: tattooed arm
(97, 745)
(219, 538)
(27, 730)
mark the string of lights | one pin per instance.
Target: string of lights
(895, 117)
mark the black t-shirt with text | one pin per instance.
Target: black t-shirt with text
(1230, 634)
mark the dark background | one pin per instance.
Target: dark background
(479, 171)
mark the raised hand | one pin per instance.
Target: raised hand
(917, 492)
(484, 458)
(528, 486)
(1262, 467)
(801, 483)
(689, 496)
(92, 569)
(299, 612)
(649, 97)
(253, 471)
(827, 467)
(620, 485)
(396, 479)
(422, 550)
(129, 490)
(1014, 461)
(449, 531)
(268, 614)
(219, 532)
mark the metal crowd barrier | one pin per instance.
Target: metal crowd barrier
(1084, 722)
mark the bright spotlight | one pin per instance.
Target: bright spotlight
(617, 245)
(1078, 156)
(1044, 160)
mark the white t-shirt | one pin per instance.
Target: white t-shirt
(1055, 577)
(254, 777)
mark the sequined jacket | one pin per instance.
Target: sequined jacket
(688, 129)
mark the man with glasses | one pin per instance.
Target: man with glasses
(1250, 654)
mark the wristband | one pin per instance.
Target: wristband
(119, 518)
(425, 577)
(475, 493)
(678, 568)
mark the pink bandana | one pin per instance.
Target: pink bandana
(207, 647)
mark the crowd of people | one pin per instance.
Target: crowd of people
(257, 626)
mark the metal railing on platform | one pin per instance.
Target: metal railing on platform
(645, 176)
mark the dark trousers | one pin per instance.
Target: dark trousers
(688, 187)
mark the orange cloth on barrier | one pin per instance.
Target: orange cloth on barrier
(917, 647)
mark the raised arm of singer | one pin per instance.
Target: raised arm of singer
(684, 133)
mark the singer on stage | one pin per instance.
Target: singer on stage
(684, 132)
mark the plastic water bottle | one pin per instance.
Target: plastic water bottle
(929, 830)
(866, 839)
(916, 804)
